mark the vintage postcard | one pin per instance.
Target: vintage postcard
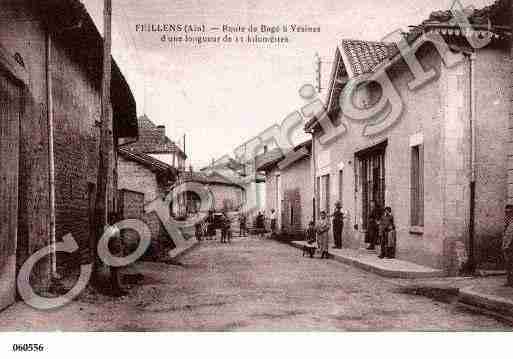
(255, 166)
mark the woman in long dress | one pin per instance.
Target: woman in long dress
(322, 235)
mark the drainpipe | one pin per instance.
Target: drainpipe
(471, 263)
(51, 154)
(314, 170)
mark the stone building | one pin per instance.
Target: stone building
(253, 183)
(153, 142)
(442, 165)
(148, 168)
(227, 195)
(142, 179)
(145, 174)
(50, 83)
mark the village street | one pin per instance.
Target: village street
(251, 284)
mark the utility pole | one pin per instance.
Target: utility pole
(318, 65)
(510, 171)
(104, 181)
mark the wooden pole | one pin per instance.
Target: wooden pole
(51, 154)
(509, 199)
(104, 180)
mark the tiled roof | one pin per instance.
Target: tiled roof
(269, 160)
(364, 56)
(265, 161)
(356, 57)
(152, 139)
(145, 122)
(206, 178)
(229, 163)
(148, 161)
(497, 13)
(353, 58)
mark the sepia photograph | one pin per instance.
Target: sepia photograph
(255, 166)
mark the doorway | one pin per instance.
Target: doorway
(10, 112)
(372, 174)
(279, 204)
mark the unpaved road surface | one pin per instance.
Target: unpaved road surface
(251, 284)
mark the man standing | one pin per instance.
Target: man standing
(373, 225)
(242, 222)
(507, 244)
(386, 226)
(260, 224)
(338, 225)
(273, 222)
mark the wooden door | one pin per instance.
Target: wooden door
(279, 211)
(10, 110)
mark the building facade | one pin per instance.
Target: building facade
(451, 135)
(51, 84)
(289, 191)
(142, 173)
(143, 179)
(226, 195)
(153, 142)
(252, 182)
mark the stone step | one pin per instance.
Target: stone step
(369, 261)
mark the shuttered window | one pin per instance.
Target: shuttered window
(318, 196)
(341, 187)
(417, 185)
(325, 193)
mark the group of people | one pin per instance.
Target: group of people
(207, 228)
(381, 231)
(260, 223)
(319, 234)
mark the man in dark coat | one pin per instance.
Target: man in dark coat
(260, 224)
(338, 225)
(373, 227)
(243, 226)
(386, 226)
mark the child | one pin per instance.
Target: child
(322, 235)
(310, 240)
(204, 229)
(198, 230)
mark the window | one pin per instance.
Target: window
(318, 196)
(417, 185)
(340, 186)
(325, 193)
(278, 199)
(291, 213)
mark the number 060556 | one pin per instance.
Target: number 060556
(28, 347)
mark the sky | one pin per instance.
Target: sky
(221, 95)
